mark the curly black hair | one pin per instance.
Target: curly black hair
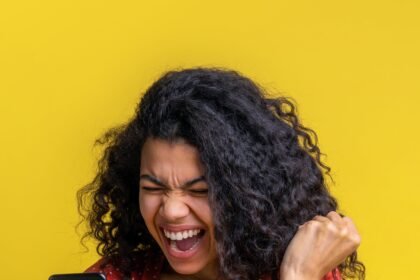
(262, 165)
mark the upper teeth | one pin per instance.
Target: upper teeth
(179, 235)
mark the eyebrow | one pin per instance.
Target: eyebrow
(158, 182)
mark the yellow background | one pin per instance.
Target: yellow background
(71, 69)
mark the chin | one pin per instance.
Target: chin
(187, 269)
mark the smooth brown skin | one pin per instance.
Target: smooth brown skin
(318, 247)
(174, 164)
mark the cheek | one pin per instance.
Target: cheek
(203, 210)
(149, 207)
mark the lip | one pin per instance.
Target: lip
(176, 228)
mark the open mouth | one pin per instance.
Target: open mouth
(183, 241)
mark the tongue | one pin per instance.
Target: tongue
(186, 244)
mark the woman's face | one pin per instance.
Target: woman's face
(174, 205)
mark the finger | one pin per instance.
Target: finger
(349, 224)
(336, 218)
(353, 230)
(320, 223)
(321, 219)
(304, 224)
(334, 224)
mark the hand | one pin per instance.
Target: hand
(318, 247)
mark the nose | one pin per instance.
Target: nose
(173, 208)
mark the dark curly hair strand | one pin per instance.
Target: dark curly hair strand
(263, 169)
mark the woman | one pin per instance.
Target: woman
(212, 179)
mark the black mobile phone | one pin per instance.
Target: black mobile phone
(78, 276)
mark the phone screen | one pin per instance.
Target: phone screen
(78, 276)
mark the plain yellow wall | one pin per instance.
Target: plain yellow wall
(71, 69)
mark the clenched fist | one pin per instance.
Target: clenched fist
(318, 247)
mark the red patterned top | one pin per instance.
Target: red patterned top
(149, 268)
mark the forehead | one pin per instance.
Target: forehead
(165, 158)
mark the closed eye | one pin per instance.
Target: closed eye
(153, 189)
(199, 191)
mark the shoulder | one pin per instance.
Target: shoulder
(145, 266)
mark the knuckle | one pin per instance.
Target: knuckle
(317, 217)
(343, 232)
(331, 227)
(348, 220)
(332, 213)
(313, 224)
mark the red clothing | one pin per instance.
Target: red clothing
(149, 268)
